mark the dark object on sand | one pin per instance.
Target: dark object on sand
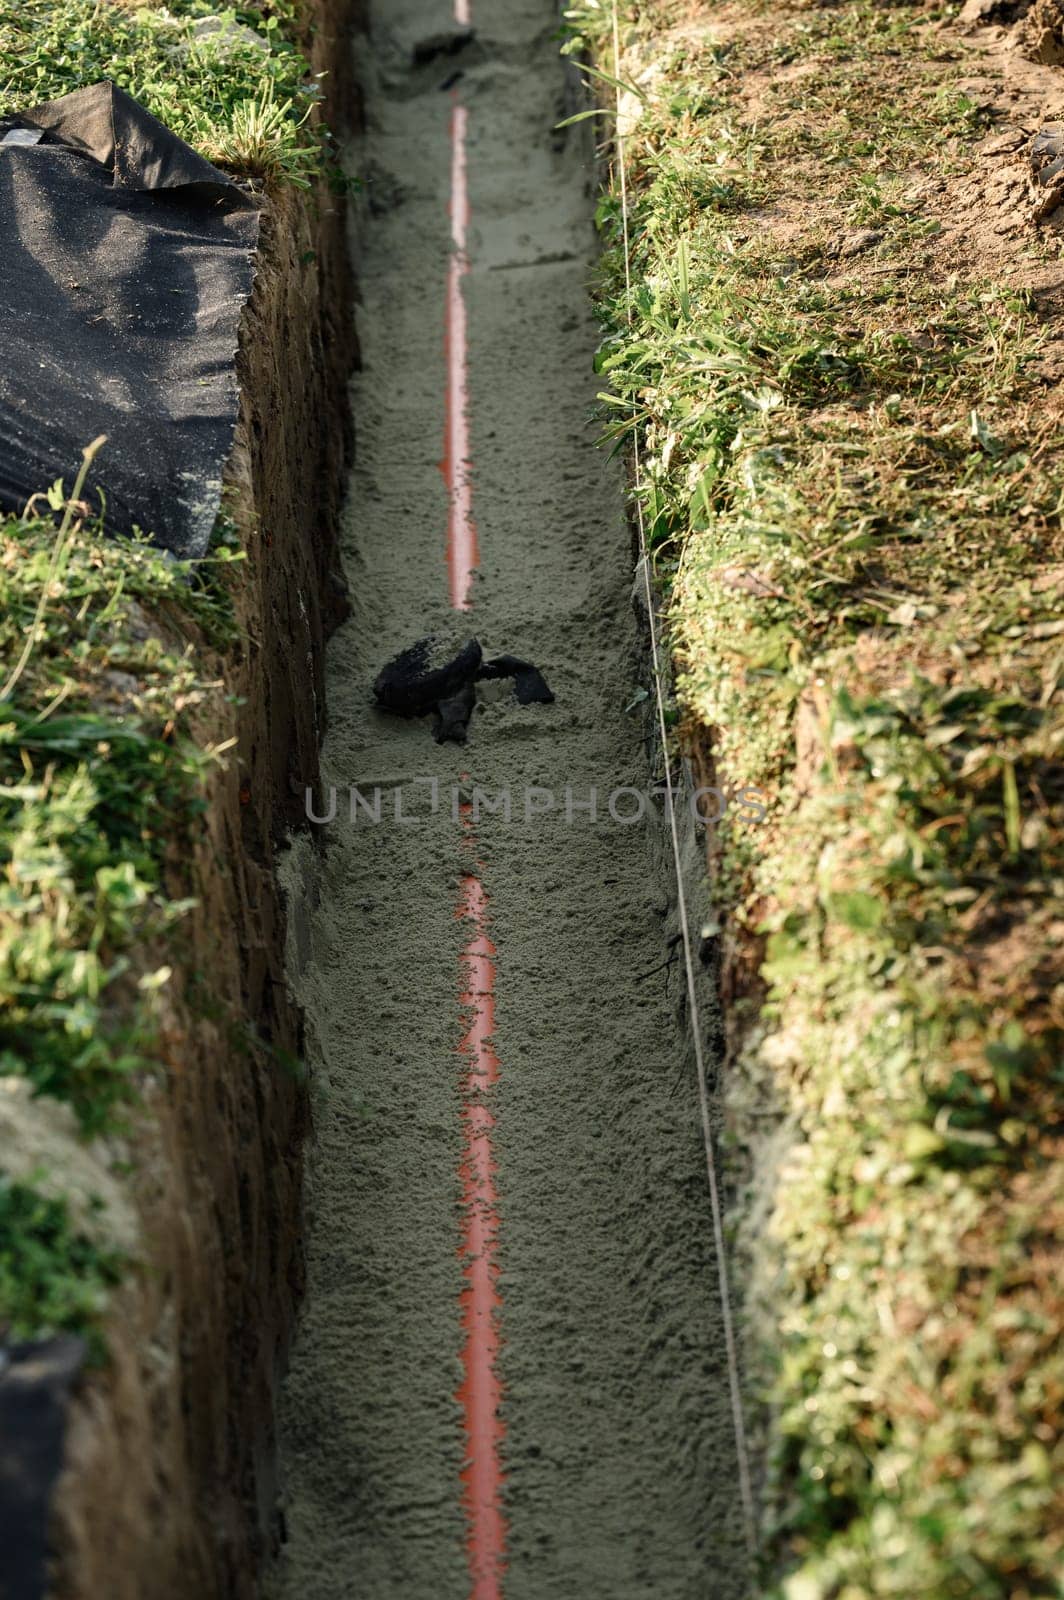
(449, 43)
(432, 679)
(128, 260)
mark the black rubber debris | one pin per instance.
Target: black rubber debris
(432, 678)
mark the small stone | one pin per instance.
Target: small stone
(226, 31)
(999, 144)
(1047, 147)
(853, 244)
(981, 13)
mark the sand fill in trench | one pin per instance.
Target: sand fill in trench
(619, 1454)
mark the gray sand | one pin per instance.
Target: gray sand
(620, 1462)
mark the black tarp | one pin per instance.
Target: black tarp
(126, 262)
(36, 1380)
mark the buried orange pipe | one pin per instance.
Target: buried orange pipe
(462, 552)
(479, 1393)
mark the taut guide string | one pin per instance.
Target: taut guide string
(741, 1446)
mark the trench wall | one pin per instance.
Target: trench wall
(168, 1487)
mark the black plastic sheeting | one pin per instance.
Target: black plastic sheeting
(127, 260)
(36, 1381)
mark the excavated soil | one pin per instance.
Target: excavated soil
(619, 1456)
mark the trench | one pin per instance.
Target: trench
(508, 1376)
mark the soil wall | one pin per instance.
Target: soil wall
(168, 1487)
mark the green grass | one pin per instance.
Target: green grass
(53, 1277)
(100, 778)
(853, 487)
(102, 783)
(245, 106)
(102, 770)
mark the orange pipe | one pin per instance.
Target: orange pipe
(480, 1392)
(462, 551)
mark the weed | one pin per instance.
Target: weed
(53, 1277)
(260, 141)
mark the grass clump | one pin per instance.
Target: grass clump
(853, 491)
(232, 84)
(100, 777)
(53, 1277)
